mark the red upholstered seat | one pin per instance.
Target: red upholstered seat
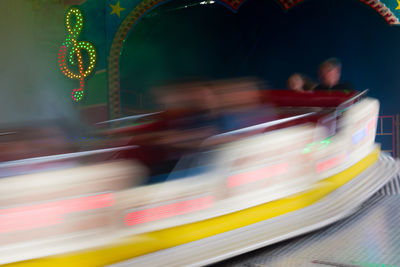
(294, 103)
(287, 103)
(288, 98)
(280, 98)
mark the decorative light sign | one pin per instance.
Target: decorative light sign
(361, 134)
(50, 213)
(169, 210)
(332, 162)
(257, 174)
(71, 53)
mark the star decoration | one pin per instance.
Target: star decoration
(398, 2)
(116, 9)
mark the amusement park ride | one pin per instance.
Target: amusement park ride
(313, 166)
(86, 205)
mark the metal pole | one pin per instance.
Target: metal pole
(397, 133)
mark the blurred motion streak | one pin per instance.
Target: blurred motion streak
(51, 213)
(331, 162)
(170, 210)
(258, 174)
(212, 151)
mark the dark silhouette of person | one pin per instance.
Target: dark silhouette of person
(329, 73)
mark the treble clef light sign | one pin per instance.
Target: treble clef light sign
(71, 53)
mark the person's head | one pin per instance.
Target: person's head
(329, 72)
(300, 83)
(296, 82)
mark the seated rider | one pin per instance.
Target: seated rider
(300, 83)
(329, 75)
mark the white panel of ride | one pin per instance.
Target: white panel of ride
(59, 211)
(163, 205)
(246, 173)
(64, 210)
(268, 166)
(252, 171)
(355, 139)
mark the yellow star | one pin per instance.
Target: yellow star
(116, 9)
(398, 2)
